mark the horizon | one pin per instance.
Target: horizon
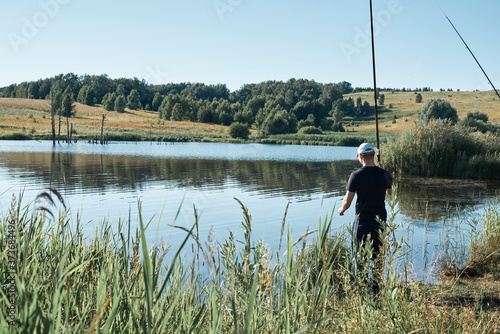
(238, 42)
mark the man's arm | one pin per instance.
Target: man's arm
(346, 202)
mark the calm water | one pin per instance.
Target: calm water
(107, 182)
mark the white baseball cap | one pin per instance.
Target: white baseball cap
(365, 148)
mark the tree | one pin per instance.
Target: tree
(68, 107)
(58, 97)
(244, 116)
(278, 121)
(309, 121)
(338, 120)
(437, 109)
(33, 90)
(108, 101)
(134, 100)
(381, 99)
(120, 104)
(86, 95)
(418, 98)
(239, 130)
(157, 99)
(205, 113)
(120, 89)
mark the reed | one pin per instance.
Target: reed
(442, 150)
(117, 282)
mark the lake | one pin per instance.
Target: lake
(107, 182)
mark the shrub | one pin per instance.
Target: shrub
(239, 130)
(437, 109)
(15, 136)
(310, 130)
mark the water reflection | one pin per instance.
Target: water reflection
(419, 198)
(102, 173)
(431, 199)
(105, 183)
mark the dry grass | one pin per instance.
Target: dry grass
(405, 108)
(25, 115)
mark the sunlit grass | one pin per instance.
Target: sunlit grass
(115, 282)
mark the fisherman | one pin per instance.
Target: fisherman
(371, 182)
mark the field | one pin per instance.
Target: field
(33, 116)
(402, 105)
(398, 112)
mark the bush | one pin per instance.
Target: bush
(310, 130)
(239, 130)
(437, 109)
(15, 136)
(440, 149)
(477, 115)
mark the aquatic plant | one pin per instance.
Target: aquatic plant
(442, 150)
(117, 282)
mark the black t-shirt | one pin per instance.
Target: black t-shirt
(370, 184)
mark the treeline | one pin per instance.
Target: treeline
(370, 89)
(274, 107)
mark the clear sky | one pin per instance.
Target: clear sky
(235, 42)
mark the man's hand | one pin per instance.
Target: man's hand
(346, 202)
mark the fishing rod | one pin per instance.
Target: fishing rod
(374, 82)
(467, 47)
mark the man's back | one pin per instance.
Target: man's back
(370, 184)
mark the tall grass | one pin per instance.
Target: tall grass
(118, 283)
(442, 150)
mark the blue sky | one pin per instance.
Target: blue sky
(249, 41)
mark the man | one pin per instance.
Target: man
(370, 183)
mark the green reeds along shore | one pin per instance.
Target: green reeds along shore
(442, 150)
(115, 282)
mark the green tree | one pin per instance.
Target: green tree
(309, 121)
(86, 95)
(239, 130)
(381, 99)
(120, 89)
(418, 98)
(437, 109)
(157, 100)
(33, 90)
(244, 116)
(58, 97)
(120, 104)
(108, 101)
(222, 111)
(68, 107)
(205, 113)
(338, 120)
(134, 100)
(278, 121)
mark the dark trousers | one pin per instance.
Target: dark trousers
(364, 230)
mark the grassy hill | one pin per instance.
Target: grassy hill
(401, 106)
(398, 112)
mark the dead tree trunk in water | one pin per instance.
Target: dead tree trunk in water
(67, 128)
(102, 129)
(52, 115)
(59, 131)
